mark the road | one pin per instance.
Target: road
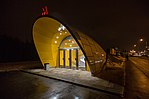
(142, 63)
(20, 85)
(137, 78)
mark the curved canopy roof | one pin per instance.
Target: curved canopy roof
(48, 34)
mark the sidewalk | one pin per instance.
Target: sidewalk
(15, 66)
(78, 77)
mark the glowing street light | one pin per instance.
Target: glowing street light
(140, 45)
(145, 43)
(141, 40)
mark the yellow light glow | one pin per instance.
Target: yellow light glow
(60, 33)
(55, 42)
(65, 32)
(57, 37)
(70, 45)
(102, 55)
(59, 29)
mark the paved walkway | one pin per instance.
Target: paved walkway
(82, 78)
(137, 83)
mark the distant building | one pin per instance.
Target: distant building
(62, 47)
(112, 51)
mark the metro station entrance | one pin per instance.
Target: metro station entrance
(70, 55)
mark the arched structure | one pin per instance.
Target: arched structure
(60, 46)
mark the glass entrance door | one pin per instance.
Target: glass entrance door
(71, 58)
(68, 58)
(61, 58)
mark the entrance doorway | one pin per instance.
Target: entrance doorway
(70, 55)
(70, 58)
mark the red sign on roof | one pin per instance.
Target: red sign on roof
(45, 11)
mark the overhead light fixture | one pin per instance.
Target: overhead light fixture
(55, 42)
(57, 37)
(61, 27)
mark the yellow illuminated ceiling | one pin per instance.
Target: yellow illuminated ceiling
(68, 42)
(48, 33)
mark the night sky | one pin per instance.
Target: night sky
(119, 23)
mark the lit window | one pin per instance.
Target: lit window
(102, 55)
(96, 53)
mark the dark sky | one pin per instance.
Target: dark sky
(110, 22)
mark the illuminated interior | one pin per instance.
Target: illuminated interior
(70, 51)
(62, 47)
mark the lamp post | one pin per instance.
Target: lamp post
(141, 40)
(146, 46)
(140, 46)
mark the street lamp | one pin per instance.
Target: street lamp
(141, 40)
(146, 46)
(145, 43)
(138, 46)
